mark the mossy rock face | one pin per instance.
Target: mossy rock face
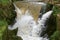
(6, 34)
(56, 13)
(58, 22)
(56, 9)
(11, 35)
(3, 26)
(55, 36)
(52, 1)
(4, 2)
(7, 12)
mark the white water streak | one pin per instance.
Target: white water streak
(28, 29)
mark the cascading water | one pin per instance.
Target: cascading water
(28, 28)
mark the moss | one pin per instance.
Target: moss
(3, 26)
(55, 36)
(56, 10)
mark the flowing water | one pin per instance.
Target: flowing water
(28, 28)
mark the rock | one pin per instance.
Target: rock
(58, 22)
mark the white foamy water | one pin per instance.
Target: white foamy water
(28, 29)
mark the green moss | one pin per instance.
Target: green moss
(55, 36)
(56, 10)
(4, 2)
(3, 26)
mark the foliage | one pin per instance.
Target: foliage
(55, 36)
(56, 10)
(3, 26)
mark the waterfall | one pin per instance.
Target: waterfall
(28, 29)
